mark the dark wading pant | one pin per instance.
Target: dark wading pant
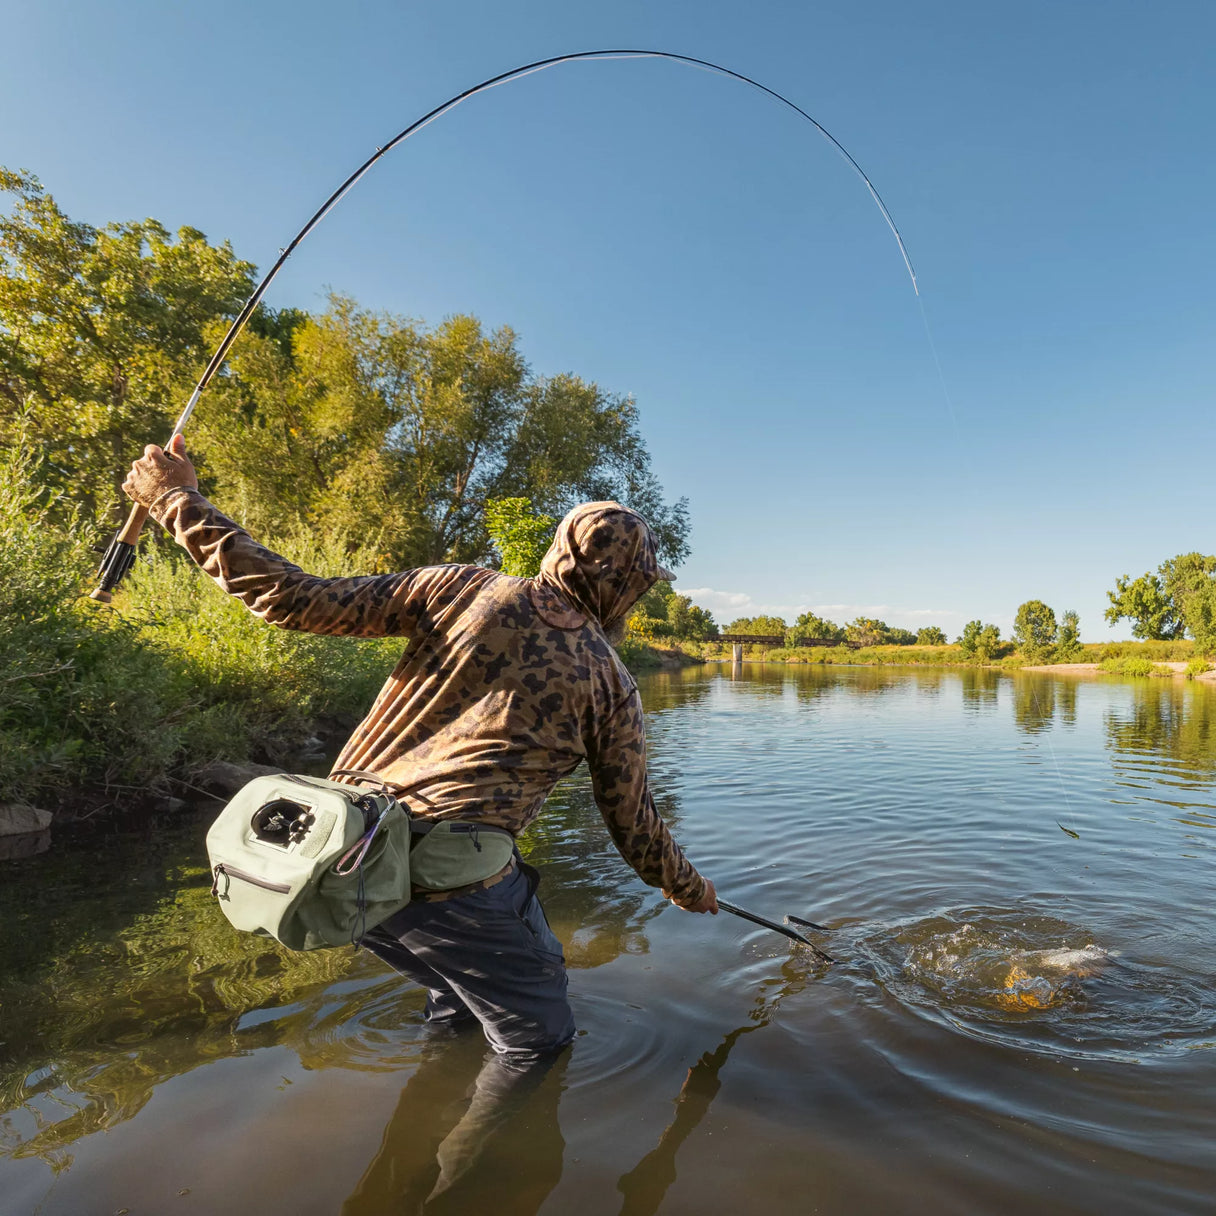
(488, 955)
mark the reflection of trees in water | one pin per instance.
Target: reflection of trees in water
(1166, 719)
(645, 1186)
(979, 686)
(1040, 700)
(118, 987)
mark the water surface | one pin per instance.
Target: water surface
(955, 829)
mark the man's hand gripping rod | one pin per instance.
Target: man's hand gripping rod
(120, 556)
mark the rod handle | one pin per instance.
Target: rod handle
(120, 555)
(129, 532)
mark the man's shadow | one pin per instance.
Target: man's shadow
(645, 1186)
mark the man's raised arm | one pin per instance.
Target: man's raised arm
(271, 587)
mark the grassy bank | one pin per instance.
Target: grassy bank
(1131, 658)
(102, 706)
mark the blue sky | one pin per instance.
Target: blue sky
(677, 236)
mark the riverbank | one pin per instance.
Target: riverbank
(1177, 670)
(1111, 658)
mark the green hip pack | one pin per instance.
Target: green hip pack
(315, 863)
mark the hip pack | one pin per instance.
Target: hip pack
(315, 863)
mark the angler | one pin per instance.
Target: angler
(506, 685)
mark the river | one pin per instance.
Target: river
(1017, 872)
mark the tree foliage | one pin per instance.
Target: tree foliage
(1034, 629)
(866, 631)
(808, 626)
(979, 641)
(380, 432)
(1179, 599)
(1068, 640)
(1144, 602)
(930, 635)
(103, 331)
(764, 626)
(521, 535)
(662, 613)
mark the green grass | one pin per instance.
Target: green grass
(100, 704)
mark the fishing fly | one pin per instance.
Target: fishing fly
(120, 556)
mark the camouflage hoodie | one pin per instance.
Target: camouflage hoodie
(506, 685)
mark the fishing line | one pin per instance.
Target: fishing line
(121, 553)
(493, 82)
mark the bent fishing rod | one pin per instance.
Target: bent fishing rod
(120, 556)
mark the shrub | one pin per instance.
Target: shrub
(1196, 667)
(1133, 665)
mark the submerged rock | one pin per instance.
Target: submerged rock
(17, 819)
(24, 831)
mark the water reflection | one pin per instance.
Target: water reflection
(645, 1186)
(979, 687)
(1166, 718)
(120, 990)
(464, 1122)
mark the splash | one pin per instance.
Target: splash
(1041, 981)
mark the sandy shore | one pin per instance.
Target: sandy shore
(1090, 669)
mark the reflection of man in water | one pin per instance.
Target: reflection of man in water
(468, 1135)
(507, 685)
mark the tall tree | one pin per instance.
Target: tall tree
(809, 626)
(379, 428)
(1146, 604)
(102, 333)
(979, 641)
(1068, 641)
(1034, 629)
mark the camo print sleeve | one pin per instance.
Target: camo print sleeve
(278, 591)
(617, 758)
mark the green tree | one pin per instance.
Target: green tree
(979, 641)
(1035, 629)
(1179, 599)
(1145, 602)
(1190, 581)
(766, 626)
(810, 626)
(931, 635)
(866, 631)
(1068, 641)
(104, 331)
(521, 535)
(899, 637)
(377, 428)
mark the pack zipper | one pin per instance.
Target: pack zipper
(230, 872)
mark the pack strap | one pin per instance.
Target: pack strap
(363, 775)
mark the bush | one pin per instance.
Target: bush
(1196, 667)
(177, 674)
(1133, 665)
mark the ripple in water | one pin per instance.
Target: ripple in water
(1038, 981)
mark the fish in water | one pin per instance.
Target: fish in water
(1026, 987)
(1085, 961)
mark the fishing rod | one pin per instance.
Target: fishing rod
(120, 556)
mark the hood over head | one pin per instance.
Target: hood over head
(602, 561)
